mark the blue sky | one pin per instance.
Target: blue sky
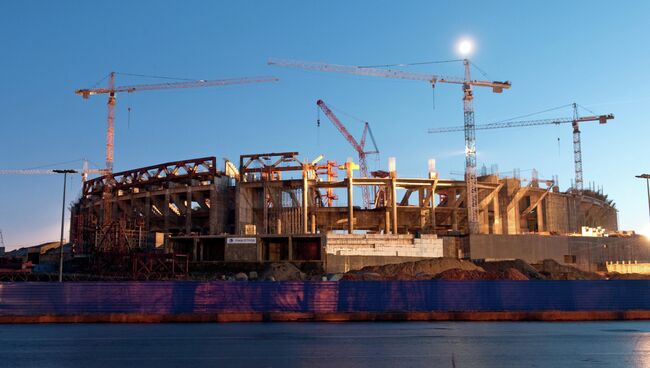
(554, 52)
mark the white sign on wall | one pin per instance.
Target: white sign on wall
(241, 240)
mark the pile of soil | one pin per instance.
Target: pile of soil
(503, 266)
(627, 276)
(459, 275)
(419, 270)
(555, 271)
(284, 271)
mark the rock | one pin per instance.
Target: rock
(460, 275)
(282, 271)
(503, 266)
(241, 276)
(335, 277)
(555, 271)
(419, 270)
(363, 276)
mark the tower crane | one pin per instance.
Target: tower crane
(84, 171)
(112, 90)
(575, 121)
(358, 146)
(467, 83)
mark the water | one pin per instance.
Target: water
(407, 344)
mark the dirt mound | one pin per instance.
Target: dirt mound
(460, 275)
(627, 276)
(503, 266)
(555, 271)
(419, 270)
(282, 272)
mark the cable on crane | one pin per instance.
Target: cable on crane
(534, 113)
(479, 69)
(155, 76)
(586, 109)
(101, 80)
(411, 64)
(345, 113)
(53, 164)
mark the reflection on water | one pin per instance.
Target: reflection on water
(457, 344)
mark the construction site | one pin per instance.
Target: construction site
(324, 217)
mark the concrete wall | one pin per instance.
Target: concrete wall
(530, 248)
(628, 267)
(346, 252)
(407, 245)
(342, 264)
(590, 253)
(241, 253)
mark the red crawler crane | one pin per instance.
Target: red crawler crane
(358, 146)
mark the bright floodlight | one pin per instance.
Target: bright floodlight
(465, 47)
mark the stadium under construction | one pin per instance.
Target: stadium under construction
(272, 208)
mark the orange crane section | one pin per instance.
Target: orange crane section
(112, 90)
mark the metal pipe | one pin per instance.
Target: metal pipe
(65, 180)
(647, 183)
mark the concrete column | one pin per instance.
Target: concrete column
(165, 211)
(484, 220)
(387, 225)
(265, 223)
(350, 200)
(497, 228)
(313, 223)
(147, 213)
(540, 216)
(188, 211)
(454, 219)
(432, 212)
(215, 227)
(290, 250)
(305, 201)
(393, 200)
(421, 206)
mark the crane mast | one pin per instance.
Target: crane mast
(577, 150)
(466, 82)
(470, 153)
(359, 147)
(575, 121)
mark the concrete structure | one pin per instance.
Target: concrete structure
(628, 267)
(286, 205)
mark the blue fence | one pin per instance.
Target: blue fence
(170, 298)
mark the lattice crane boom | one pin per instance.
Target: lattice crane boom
(467, 83)
(112, 90)
(174, 85)
(358, 146)
(575, 124)
(386, 73)
(84, 172)
(524, 123)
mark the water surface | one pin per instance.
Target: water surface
(393, 344)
